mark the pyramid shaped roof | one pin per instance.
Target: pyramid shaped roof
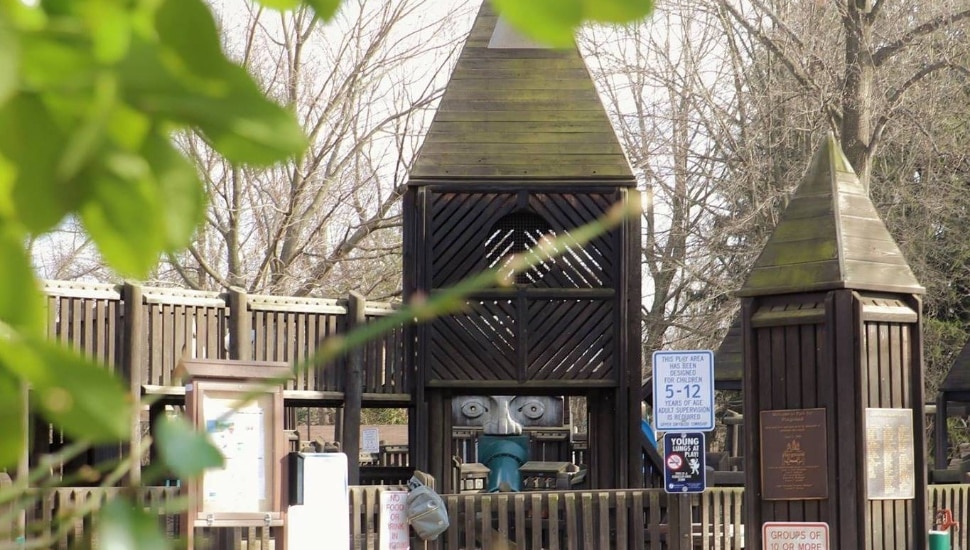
(514, 109)
(958, 378)
(830, 237)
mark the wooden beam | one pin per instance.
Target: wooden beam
(240, 325)
(353, 391)
(134, 335)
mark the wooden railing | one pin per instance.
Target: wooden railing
(620, 519)
(143, 332)
(956, 499)
(53, 519)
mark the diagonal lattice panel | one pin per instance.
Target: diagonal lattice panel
(590, 266)
(476, 344)
(459, 225)
(570, 339)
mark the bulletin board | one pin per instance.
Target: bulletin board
(244, 420)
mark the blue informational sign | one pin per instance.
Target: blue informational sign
(683, 391)
(684, 462)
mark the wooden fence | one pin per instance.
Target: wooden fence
(143, 332)
(646, 519)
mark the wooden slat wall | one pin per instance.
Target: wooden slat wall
(571, 340)
(88, 324)
(557, 520)
(791, 370)
(385, 369)
(50, 517)
(459, 225)
(181, 323)
(291, 330)
(571, 335)
(721, 519)
(582, 519)
(956, 499)
(90, 318)
(887, 371)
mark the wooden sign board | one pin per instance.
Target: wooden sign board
(794, 454)
(244, 419)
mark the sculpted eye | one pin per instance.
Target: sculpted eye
(533, 409)
(473, 409)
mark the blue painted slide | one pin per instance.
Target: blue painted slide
(648, 432)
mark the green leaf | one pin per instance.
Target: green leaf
(121, 213)
(12, 409)
(183, 206)
(616, 11)
(227, 108)
(325, 9)
(281, 5)
(190, 37)
(9, 61)
(122, 526)
(56, 61)
(246, 127)
(185, 451)
(552, 22)
(33, 142)
(21, 303)
(110, 25)
(84, 399)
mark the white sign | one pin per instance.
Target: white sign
(394, 533)
(790, 535)
(326, 504)
(370, 440)
(683, 391)
(240, 435)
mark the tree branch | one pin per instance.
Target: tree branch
(884, 53)
(897, 94)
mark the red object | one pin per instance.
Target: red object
(945, 521)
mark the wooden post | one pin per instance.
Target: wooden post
(681, 523)
(23, 465)
(833, 373)
(353, 390)
(240, 326)
(132, 363)
(940, 443)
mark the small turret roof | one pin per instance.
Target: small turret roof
(829, 237)
(514, 109)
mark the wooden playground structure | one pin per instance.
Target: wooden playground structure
(521, 150)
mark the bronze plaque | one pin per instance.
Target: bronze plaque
(890, 454)
(794, 455)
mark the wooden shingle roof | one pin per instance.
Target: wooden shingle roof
(515, 110)
(958, 379)
(829, 237)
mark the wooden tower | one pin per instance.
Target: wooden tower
(519, 148)
(833, 381)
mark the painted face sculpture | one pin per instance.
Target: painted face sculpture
(506, 414)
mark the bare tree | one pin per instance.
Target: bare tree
(857, 60)
(363, 86)
(664, 83)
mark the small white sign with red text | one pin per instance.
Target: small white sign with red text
(394, 534)
(793, 535)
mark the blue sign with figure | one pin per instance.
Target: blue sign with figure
(684, 462)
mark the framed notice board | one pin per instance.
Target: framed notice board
(243, 417)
